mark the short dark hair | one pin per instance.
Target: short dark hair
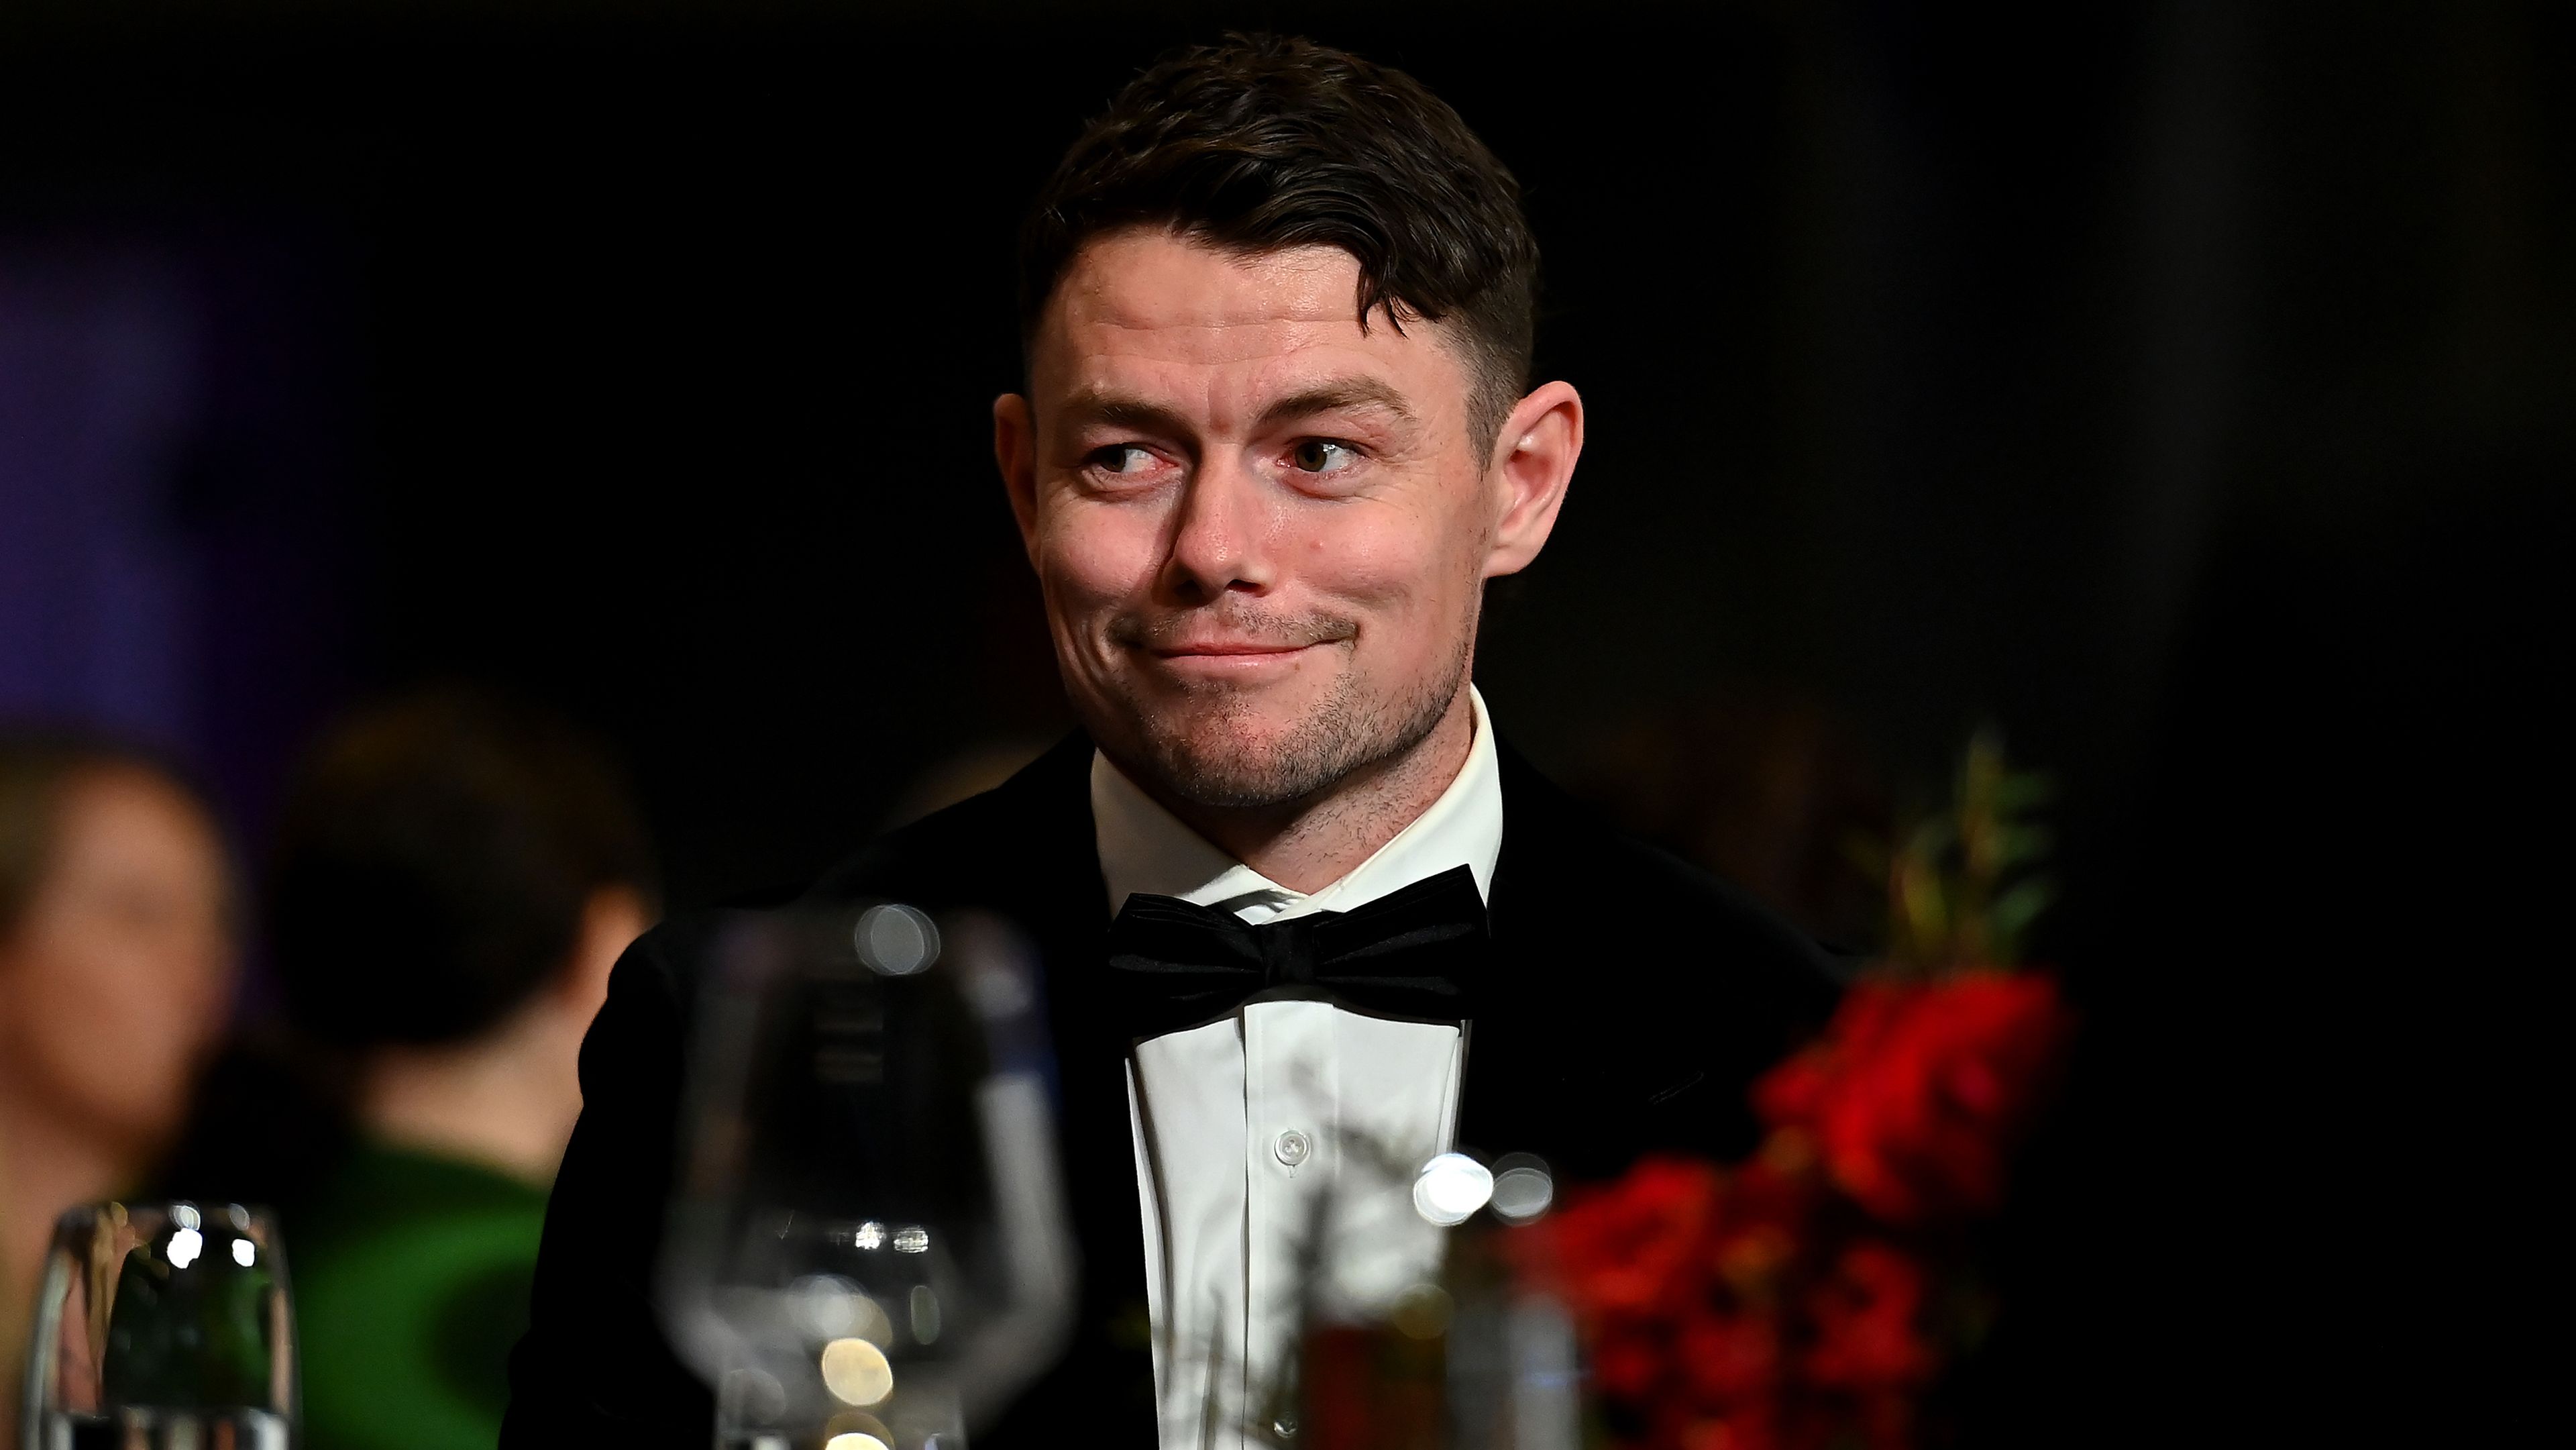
(1262, 143)
(432, 865)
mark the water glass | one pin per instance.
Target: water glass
(162, 1326)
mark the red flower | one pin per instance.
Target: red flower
(1629, 1360)
(1744, 1429)
(1628, 1250)
(1867, 1314)
(1748, 1308)
(1729, 1359)
(1918, 1089)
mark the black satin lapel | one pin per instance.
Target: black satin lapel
(1531, 823)
(1060, 898)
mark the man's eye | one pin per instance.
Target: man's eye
(1322, 455)
(1125, 459)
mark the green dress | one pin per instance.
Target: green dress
(410, 1274)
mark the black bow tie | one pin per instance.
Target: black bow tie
(1410, 954)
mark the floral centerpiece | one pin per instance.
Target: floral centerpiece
(1811, 1296)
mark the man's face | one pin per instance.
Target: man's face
(1262, 532)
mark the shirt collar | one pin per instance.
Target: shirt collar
(1145, 848)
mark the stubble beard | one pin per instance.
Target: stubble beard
(1205, 754)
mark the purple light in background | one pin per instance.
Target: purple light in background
(99, 393)
(176, 494)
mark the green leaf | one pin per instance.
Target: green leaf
(2024, 790)
(2020, 845)
(2012, 914)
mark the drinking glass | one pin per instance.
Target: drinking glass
(162, 1326)
(868, 1249)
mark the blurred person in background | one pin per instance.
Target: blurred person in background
(453, 877)
(117, 963)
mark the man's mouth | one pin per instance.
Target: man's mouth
(1226, 648)
(1228, 661)
(1231, 651)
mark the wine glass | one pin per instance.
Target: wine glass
(162, 1326)
(868, 1247)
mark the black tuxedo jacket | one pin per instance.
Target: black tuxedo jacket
(1631, 1002)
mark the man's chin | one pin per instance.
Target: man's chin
(1246, 749)
(1237, 772)
(1235, 758)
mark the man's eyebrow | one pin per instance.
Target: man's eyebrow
(1092, 407)
(1336, 396)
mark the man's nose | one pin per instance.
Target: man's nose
(1219, 534)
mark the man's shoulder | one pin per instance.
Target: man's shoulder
(1638, 997)
(984, 851)
(1031, 830)
(1565, 870)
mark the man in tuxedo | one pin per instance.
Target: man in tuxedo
(1297, 906)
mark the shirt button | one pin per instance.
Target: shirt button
(1292, 1147)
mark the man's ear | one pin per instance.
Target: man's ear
(1015, 452)
(1533, 463)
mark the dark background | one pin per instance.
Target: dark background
(2184, 387)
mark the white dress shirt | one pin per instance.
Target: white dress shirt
(1285, 1124)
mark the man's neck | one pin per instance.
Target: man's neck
(507, 1101)
(1309, 843)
